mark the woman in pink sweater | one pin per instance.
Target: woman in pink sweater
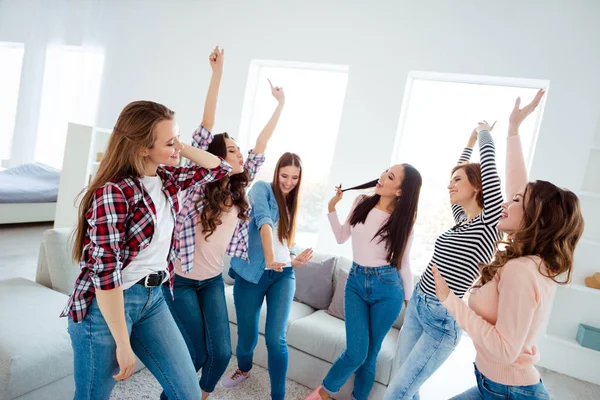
(508, 305)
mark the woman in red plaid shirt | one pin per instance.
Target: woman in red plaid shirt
(125, 247)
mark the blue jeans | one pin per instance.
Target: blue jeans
(154, 337)
(489, 390)
(428, 336)
(278, 288)
(200, 311)
(373, 299)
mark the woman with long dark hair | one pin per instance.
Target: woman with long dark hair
(380, 279)
(509, 303)
(213, 222)
(268, 273)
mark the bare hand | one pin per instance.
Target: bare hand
(441, 287)
(275, 266)
(126, 361)
(483, 126)
(518, 115)
(216, 59)
(335, 199)
(302, 258)
(277, 92)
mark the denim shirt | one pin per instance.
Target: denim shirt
(264, 211)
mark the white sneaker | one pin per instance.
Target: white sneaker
(235, 379)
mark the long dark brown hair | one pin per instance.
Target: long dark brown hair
(473, 172)
(551, 227)
(396, 231)
(288, 205)
(134, 132)
(220, 195)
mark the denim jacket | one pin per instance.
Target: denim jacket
(264, 211)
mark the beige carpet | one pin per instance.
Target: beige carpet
(142, 385)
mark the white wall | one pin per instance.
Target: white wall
(158, 50)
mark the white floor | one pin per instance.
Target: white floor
(19, 247)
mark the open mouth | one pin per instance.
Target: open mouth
(504, 215)
(379, 184)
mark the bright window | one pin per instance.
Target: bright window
(308, 127)
(439, 113)
(11, 56)
(70, 93)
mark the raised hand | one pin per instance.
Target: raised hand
(277, 92)
(483, 126)
(335, 199)
(302, 258)
(518, 114)
(216, 59)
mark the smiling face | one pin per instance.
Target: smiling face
(464, 188)
(390, 182)
(166, 147)
(288, 178)
(513, 211)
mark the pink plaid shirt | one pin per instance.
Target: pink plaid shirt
(120, 224)
(188, 217)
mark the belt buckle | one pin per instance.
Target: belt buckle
(146, 281)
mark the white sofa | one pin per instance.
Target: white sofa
(36, 361)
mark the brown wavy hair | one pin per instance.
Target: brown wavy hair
(133, 132)
(219, 196)
(551, 227)
(473, 172)
(288, 205)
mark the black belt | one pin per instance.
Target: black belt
(153, 280)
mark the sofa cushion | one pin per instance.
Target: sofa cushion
(298, 310)
(62, 269)
(336, 308)
(314, 283)
(35, 348)
(324, 337)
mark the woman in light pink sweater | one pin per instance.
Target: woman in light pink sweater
(508, 305)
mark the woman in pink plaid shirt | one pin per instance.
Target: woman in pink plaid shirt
(125, 246)
(214, 221)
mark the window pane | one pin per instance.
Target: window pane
(70, 93)
(439, 118)
(308, 126)
(11, 56)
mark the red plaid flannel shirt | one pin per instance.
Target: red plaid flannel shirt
(121, 222)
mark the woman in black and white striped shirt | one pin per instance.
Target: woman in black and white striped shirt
(429, 333)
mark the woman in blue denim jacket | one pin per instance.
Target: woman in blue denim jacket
(268, 273)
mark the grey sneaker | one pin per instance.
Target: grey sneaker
(235, 379)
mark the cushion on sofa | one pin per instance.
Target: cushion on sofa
(298, 310)
(314, 283)
(324, 336)
(62, 269)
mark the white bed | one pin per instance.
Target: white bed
(28, 194)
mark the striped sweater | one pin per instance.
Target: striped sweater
(459, 251)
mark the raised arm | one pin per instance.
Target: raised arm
(457, 211)
(267, 132)
(216, 59)
(341, 232)
(516, 172)
(490, 181)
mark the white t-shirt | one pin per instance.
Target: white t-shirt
(153, 258)
(281, 250)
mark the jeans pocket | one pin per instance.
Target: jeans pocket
(492, 390)
(391, 277)
(537, 391)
